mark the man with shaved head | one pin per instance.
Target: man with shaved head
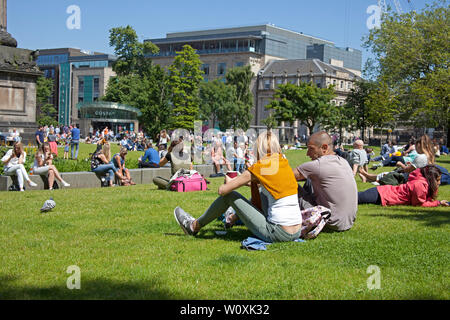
(329, 183)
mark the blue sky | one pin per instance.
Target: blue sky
(42, 24)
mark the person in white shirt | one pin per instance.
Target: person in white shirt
(239, 159)
(13, 162)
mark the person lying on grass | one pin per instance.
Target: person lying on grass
(420, 190)
(424, 157)
(283, 219)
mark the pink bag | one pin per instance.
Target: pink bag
(186, 183)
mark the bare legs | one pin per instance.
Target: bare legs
(368, 177)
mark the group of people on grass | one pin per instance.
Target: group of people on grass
(273, 213)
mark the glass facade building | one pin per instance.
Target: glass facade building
(263, 39)
(63, 65)
(351, 58)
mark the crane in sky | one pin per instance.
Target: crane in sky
(398, 6)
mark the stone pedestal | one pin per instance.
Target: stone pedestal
(18, 75)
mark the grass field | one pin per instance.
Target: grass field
(128, 246)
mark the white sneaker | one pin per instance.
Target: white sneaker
(375, 183)
(65, 184)
(32, 184)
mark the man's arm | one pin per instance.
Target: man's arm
(298, 175)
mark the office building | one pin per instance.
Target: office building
(348, 58)
(78, 76)
(256, 46)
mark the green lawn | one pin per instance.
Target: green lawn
(128, 246)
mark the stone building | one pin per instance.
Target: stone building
(322, 74)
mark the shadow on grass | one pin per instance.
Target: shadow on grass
(428, 217)
(440, 160)
(90, 289)
(234, 234)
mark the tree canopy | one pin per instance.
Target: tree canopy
(411, 58)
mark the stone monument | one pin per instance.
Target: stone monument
(18, 75)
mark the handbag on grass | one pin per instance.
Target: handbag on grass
(186, 181)
(313, 221)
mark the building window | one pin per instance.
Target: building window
(221, 69)
(96, 85)
(239, 64)
(293, 81)
(267, 84)
(349, 85)
(80, 85)
(205, 69)
(80, 99)
(319, 84)
(334, 82)
(279, 81)
(342, 84)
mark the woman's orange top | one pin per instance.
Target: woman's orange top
(275, 174)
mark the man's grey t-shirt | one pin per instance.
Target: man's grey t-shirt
(334, 187)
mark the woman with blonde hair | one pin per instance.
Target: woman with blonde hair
(281, 221)
(101, 163)
(13, 162)
(43, 165)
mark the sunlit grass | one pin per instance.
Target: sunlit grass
(128, 246)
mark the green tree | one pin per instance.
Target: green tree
(147, 93)
(411, 55)
(240, 115)
(131, 54)
(305, 102)
(46, 112)
(138, 83)
(183, 81)
(215, 98)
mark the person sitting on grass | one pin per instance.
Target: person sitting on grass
(119, 163)
(13, 162)
(420, 190)
(100, 163)
(358, 158)
(424, 148)
(329, 183)
(217, 156)
(283, 219)
(177, 158)
(43, 166)
(150, 159)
